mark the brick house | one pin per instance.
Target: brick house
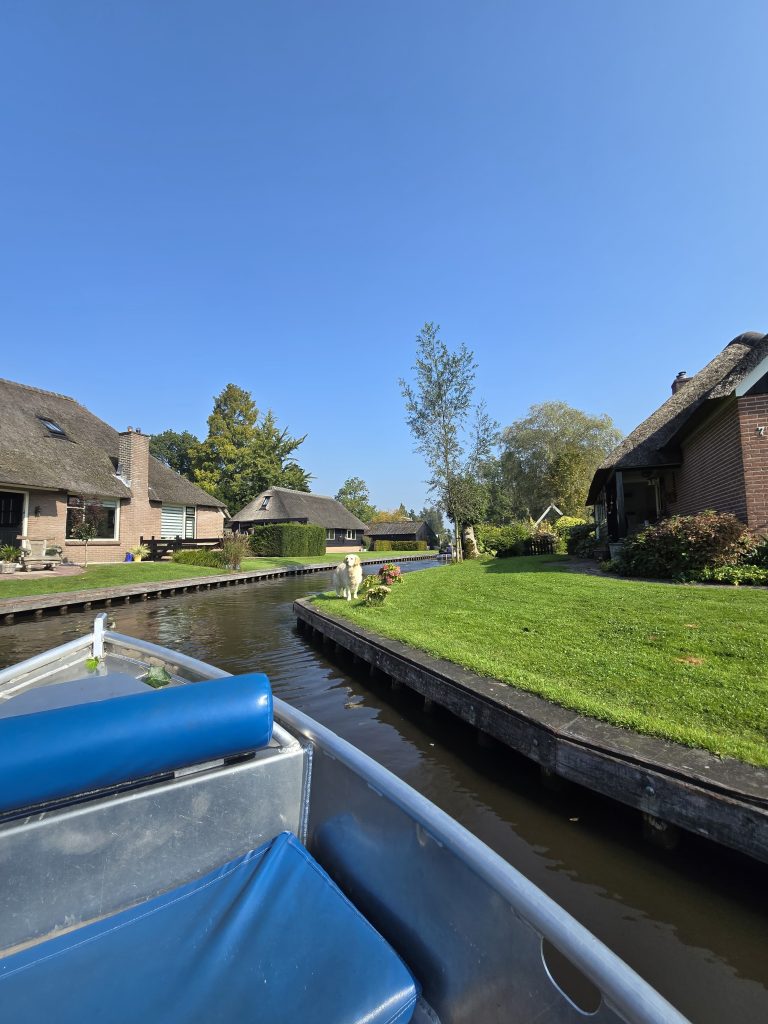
(403, 531)
(705, 448)
(55, 456)
(343, 531)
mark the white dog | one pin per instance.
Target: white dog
(347, 577)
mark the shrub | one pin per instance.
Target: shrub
(381, 545)
(681, 546)
(402, 545)
(503, 541)
(201, 556)
(749, 575)
(566, 523)
(581, 541)
(376, 594)
(759, 554)
(280, 539)
(234, 549)
(8, 553)
(390, 574)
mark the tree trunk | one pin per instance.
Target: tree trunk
(469, 542)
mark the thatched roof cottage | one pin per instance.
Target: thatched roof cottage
(705, 448)
(56, 456)
(343, 531)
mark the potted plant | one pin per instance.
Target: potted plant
(139, 552)
(8, 558)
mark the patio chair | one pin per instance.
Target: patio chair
(36, 554)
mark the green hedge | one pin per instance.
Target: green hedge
(280, 539)
(200, 556)
(503, 541)
(399, 545)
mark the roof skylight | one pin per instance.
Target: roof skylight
(52, 426)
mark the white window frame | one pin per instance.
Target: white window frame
(105, 503)
(183, 520)
(193, 517)
(265, 504)
(330, 534)
(351, 534)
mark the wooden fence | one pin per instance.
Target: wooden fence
(163, 548)
(540, 545)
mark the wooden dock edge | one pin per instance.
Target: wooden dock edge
(723, 800)
(11, 607)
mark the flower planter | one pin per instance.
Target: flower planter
(6, 568)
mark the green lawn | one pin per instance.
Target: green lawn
(116, 575)
(126, 573)
(682, 662)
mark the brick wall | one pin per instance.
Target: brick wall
(50, 524)
(753, 414)
(138, 516)
(210, 522)
(712, 473)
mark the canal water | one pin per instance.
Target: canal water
(693, 922)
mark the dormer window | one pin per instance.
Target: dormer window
(52, 427)
(265, 504)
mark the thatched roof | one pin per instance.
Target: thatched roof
(286, 505)
(400, 528)
(653, 443)
(83, 460)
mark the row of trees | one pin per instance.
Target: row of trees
(355, 496)
(244, 453)
(480, 473)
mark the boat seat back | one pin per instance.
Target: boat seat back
(68, 752)
(265, 937)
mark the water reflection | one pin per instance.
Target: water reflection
(694, 923)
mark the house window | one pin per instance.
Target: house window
(52, 427)
(103, 513)
(351, 534)
(189, 522)
(265, 503)
(171, 522)
(330, 535)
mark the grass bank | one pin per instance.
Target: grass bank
(685, 663)
(123, 574)
(120, 574)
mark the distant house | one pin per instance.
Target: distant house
(55, 455)
(705, 448)
(343, 531)
(403, 531)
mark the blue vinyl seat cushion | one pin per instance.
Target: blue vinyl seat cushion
(265, 939)
(54, 754)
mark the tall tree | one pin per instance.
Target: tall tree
(550, 455)
(176, 450)
(391, 515)
(243, 455)
(353, 495)
(433, 517)
(438, 406)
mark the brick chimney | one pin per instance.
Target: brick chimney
(133, 461)
(680, 381)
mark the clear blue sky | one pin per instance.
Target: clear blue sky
(280, 193)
